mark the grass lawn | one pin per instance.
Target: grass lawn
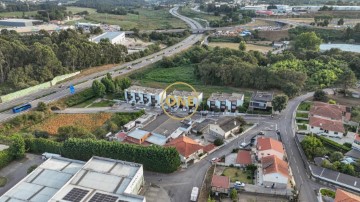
(302, 115)
(103, 103)
(302, 126)
(302, 121)
(3, 181)
(86, 103)
(238, 175)
(148, 19)
(193, 14)
(18, 14)
(304, 106)
(235, 46)
(75, 9)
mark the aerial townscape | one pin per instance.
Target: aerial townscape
(177, 101)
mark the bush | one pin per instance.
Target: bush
(5, 158)
(218, 142)
(17, 147)
(327, 192)
(41, 134)
(40, 145)
(80, 97)
(347, 144)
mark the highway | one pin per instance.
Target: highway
(60, 91)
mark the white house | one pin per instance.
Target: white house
(225, 101)
(275, 172)
(227, 126)
(144, 95)
(268, 147)
(114, 37)
(185, 98)
(331, 128)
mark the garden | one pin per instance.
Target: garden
(237, 174)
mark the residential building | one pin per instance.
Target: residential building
(86, 26)
(181, 98)
(19, 22)
(267, 147)
(142, 137)
(144, 95)
(356, 143)
(344, 196)
(225, 101)
(243, 158)
(62, 179)
(220, 184)
(202, 126)
(261, 100)
(189, 150)
(114, 37)
(225, 127)
(331, 128)
(330, 111)
(275, 172)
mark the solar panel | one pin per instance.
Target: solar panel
(76, 195)
(99, 197)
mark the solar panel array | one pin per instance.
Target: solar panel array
(75, 195)
(99, 197)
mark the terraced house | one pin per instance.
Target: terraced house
(225, 101)
(144, 95)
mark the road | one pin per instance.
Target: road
(57, 92)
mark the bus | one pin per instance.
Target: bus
(21, 108)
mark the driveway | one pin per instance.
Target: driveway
(17, 170)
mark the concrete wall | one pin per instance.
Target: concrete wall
(27, 91)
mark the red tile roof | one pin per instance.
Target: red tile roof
(357, 137)
(184, 145)
(273, 164)
(220, 181)
(208, 148)
(120, 135)
(344, 196)
(266, 143)
(330, 125)
(243, 157)
(331, 111)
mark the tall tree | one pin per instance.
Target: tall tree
(347, 80)
(279, 102)
(308, 41)
(98, 88)
(17, 147)
(242, 46)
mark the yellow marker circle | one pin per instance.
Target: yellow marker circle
(173, 117)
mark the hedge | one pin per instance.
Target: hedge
(80, 97)
(5, 158)
(40, 145)
(333, 144)
(153, 158)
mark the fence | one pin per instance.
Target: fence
(27, 91)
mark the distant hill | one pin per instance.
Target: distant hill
(309, 2)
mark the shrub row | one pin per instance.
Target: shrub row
(335, 145)
(153, 158)
(80, 97)
(5, 158)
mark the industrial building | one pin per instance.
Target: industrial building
(144, 95)
(62, 179)
(19, 22)
(114, 37)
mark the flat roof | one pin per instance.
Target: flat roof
(226, 96)
(156, 139)
(185, 93)
(138, 133)
(20, 20)
(262, 96)
(41, 184)
(102, 176)
(141, 89)
(107, 35)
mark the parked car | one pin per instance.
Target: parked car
(239, 185)
(261, 133)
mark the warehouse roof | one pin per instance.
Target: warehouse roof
(41, 184)
(107, 35)
(20, 20)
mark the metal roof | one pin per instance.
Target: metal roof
(107, 35)
(156, 139)
(137, 133)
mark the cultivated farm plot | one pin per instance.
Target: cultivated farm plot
(88, 121)
(75, 9)
(235, 46)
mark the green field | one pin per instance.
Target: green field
(193, 14)
(148, 19)
(18, 14)
(75, 9)
(157, 77)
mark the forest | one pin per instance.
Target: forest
(303, 68)
(109, 4)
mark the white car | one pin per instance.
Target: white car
(239, 184)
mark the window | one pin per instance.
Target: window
(336, 133)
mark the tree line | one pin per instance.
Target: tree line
(290, 71)
(109, 4)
